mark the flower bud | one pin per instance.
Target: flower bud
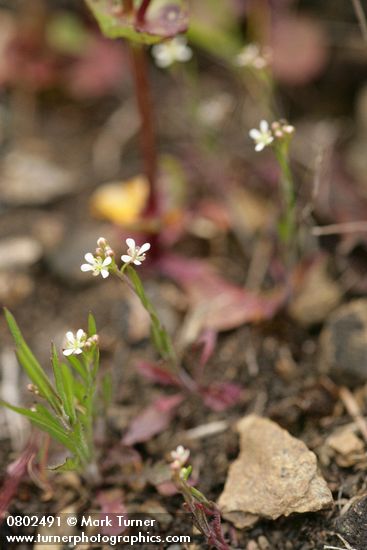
(33, 389)
(101, 242)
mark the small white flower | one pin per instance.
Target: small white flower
(97, 265)
(74, 342)
(262, 137)
(180, 456)
(251, 56)
(135, 254)
(169, 52)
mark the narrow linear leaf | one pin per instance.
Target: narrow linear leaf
(70, 465)
(64, 385)
(30, 364)
(92, 327)
(79, 367)
(57, 374)
(44, 422)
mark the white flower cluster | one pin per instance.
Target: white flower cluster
(171, 51)
(102, 261)
(266, 134)
(252, 56)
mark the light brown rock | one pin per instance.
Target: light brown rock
(274, 475)
(316, 297)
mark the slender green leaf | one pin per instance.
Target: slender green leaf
(92, 327)
(79, 367)
(70, 464)
(30, 364)
(107, 389)
(44, 422)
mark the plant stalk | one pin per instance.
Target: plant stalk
(147, 133)
(140, 16)
(288, 220)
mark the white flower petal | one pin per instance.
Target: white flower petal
(126, 259)
(264, 126)
(144, 248)
(67, 352)
(80, 334)
(163, 63)
(70, 336)
(86, 267)
(137, 262)
(259, 147)
(90, 258)
(107, 261)
(130, 243)
(77, 351)
(255, 134)
(105, 273)
(184, 53)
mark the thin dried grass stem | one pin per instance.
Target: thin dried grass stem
(361, 16)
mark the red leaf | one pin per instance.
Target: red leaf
(16, 471)
(98, 71)
(167, 488)
(158, 374)
(111, 505)
(218, 304)
(208, 340)
(222, 395)
(152, 420)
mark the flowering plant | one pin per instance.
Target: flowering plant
(64, 409)
(135, 255)
(205, 513)
(278, 136)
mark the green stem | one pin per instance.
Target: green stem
(160, 337)
(288, 222)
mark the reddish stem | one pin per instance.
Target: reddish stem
(140, 16)
(147, 133)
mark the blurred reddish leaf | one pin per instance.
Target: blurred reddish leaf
(222, 395)
(157, 373)
(152, 420)
(299, 49)
(208, 340)
(166, 488)
(15, 473)
(28, 62)
(218, 304)
(111, 504)
(98, 71)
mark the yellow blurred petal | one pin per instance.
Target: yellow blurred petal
(121, 202)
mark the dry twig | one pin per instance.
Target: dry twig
(361, 16)
(354, 411)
